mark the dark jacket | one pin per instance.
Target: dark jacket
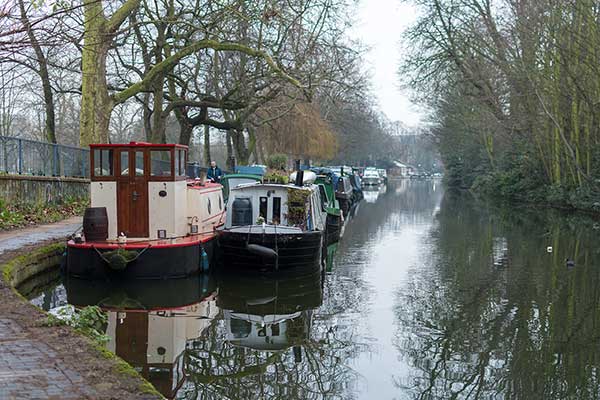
(214, 174)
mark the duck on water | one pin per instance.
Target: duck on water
(274, 227)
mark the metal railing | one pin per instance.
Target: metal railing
(30, 157)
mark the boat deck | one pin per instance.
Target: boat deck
(133, 243)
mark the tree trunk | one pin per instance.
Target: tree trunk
(207, 158)
(239, 145)
(185, 129)
(42, 71)
(229, 148)
(147, 116)
(96, 104)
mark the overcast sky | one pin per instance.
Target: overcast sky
(379, 25)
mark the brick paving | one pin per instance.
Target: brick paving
(56, 363)
(29, 369)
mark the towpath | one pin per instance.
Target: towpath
(15, 239)
(38, 361)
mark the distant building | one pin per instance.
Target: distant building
(401, 169)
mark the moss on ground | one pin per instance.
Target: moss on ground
(123, 368)
(45, 251)
(120, 367)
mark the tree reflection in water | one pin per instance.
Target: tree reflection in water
(266, 343)
(492, 314)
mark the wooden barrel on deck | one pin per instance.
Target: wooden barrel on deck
(95, 224)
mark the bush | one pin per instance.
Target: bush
(277, 161)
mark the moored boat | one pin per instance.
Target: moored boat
(344, 194)
(335, 218)
(371, 177)
(274, 227)
(146, 220)
(230, 181)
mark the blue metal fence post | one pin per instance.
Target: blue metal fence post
(55, 160)
(20, 161)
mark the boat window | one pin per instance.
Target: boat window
(182, 156)
(275, 330)
(124, 162)
(220, 203)
(139, 163)
(103, 162)
(209, 207)
(262, 211)
(160, 161)
(276, 210)
(176, 163)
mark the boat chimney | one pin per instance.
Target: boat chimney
(299, 178)
(299, 174)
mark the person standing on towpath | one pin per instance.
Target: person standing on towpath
(214, 172)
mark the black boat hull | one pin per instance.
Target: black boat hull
(345, 202)
(295, 251)
(139, 294)
(334, 228)
(152, 263)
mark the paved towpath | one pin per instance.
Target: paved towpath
(51, 362)
(13, 240)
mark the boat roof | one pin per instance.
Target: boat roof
(238, 176)
(139, 144)
(272, 185)
(198, 185)
(251, 169)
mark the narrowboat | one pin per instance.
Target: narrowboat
(371, 177)
(344, 194)
(230, 181)
(335, 218)
(273, 227)
(357, 191)
(146, 220)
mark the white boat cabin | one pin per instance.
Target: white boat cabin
(299, 208)
(147, 195)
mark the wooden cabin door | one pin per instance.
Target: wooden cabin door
(132, 193)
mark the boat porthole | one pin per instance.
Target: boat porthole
(209, 207)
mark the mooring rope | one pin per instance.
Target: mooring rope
(128, 261)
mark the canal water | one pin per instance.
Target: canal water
(429, 295)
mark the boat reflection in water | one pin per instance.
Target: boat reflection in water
(151, 322)
(267, 314)
(192, 340)
(372, 193)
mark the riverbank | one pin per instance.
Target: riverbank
(506, 190)
(20, 215)
(43, 360)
